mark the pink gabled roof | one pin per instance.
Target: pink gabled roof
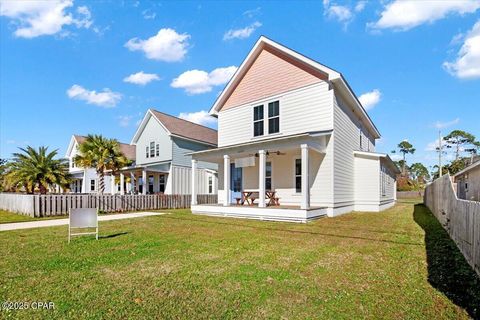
(186, 129)
(128, 150)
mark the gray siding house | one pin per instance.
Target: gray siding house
(160, 157)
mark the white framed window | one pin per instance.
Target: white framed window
(161, 183)
(383, 181)
(146, 152)
(157, 150)
(268, 175)
(258, 124)
(360, 137)
(298, 175)
(274, 117)
(92, 184)
(152, 149)
(210, 184)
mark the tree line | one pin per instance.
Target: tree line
(464, 146)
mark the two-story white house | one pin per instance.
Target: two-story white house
(160, 153)
(294, 140)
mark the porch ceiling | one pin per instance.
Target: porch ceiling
(315, 140)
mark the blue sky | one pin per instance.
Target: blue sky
(74, 67)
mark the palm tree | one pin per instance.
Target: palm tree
(37, 168)
(102, 154)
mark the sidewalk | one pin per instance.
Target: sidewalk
(62, 222)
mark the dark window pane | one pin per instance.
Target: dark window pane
(274, 125)
(258, 128)
(258, 112)
(268, 183)
(298, 184)
(298, 167)
(273, 109)
(268, 169)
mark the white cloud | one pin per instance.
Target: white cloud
(198, 81)
(396, 157)
(432, 146)
(37, 18)
(124, 121)
(201, 117)
(252, 12)
(148, 14)
(105, 98)
(406, 14)
(167, 45)
(467, 64)
(441, 125)
(141, 78)
(370, 99)
(339, 13)
(360, 6)
(241, 33)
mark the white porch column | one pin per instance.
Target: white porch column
(144, 181)
(112, 184)
(122, 184)
(226, 180)
(194, 182)
(132, 182)
(262, 157)
(305, 204)
(84, 182)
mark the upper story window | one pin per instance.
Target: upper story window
(258, 121)
(152, 149)
(157, 150)
(146, 152)
(360, 136)
(274, 117)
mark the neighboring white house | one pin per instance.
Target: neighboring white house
(468, 182)
(161, 162)
(294, 126)
(86, 180)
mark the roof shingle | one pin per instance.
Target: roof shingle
(186, 129)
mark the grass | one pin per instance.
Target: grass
(8, 217)
(395, 264)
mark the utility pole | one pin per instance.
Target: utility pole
(440, 153)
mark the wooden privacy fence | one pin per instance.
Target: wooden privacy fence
(461, 218)
(409, 194)
(59, 204)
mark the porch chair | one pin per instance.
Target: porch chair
(82, 218)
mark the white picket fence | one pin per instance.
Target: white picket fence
(461, 218)
(59, 204)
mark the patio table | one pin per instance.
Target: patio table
(247, 196)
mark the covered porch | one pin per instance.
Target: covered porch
(140, 180)
(267, 179)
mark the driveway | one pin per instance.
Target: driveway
(62, 222)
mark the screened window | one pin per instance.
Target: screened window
(92, 185)
(258, 121)
(210, 184)
(384, 182)
(152, 149)
(146, 152)
(274, 117)
(157, 151)
(161, 181)
(268, 176)
(298, 175)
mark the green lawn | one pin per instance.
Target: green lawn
(8, 217)
(395, 264)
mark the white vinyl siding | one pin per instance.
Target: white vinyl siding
(367, 181)
(153, 132)
(181, 180)
(346, 140)
(302, 110)
(387, 184)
